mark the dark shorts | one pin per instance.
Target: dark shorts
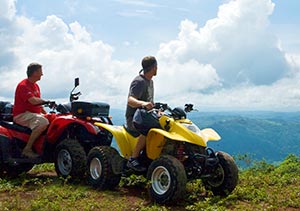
(130, 127)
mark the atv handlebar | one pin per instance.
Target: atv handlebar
(176, 113)
(74, 96)
(188, 108)
(164, 106)
(50, 104)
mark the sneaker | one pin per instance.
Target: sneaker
(29, 154)
(134, 164)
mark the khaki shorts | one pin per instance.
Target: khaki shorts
(31, 120)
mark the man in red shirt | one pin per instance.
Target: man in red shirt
(27, 110)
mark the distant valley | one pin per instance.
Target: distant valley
(259, 135)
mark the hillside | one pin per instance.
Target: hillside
(260, 135)
(261, 187)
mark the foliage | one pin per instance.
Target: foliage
(133, 180)
(262, 186)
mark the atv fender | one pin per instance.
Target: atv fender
(156, 139)
(125, 141)
(59, 124)
(210, 134)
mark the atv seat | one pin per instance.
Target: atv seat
(131, 132)
(14, 126)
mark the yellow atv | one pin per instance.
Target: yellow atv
(176, 152)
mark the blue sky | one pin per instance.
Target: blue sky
(217, 54)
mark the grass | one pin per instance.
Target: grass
(262, 186)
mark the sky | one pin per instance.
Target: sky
(216, 54)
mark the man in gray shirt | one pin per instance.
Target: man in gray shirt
(140, 95)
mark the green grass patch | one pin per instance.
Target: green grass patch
(262, 186)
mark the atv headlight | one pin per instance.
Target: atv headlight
(192, 127)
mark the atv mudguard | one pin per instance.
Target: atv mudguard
(156, 139)
(59, 124)
(125, 141)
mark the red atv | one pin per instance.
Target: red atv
(66, 142)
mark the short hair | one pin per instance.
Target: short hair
(32, 67)
(148, 63)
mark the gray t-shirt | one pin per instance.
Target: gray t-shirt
(141, 89)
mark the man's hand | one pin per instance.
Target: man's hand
(147, 105)
(52, 104)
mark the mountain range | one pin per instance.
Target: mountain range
(270, 136)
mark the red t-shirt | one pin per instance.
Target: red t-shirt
(24, 91)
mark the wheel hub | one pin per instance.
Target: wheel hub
(95, 168)
(64, 162)
(161, 180)
(217, 177)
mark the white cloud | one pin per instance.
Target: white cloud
(237, 44)
(283, 95)
(65, 51)
(244, 56)
(177, 79)
(232, 62)
(7, 9)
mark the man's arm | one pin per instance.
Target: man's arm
(135, 103)
(36, 101)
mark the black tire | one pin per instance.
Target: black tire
(100, 167)
(168, 179)
(70, 159)
(224, 177)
